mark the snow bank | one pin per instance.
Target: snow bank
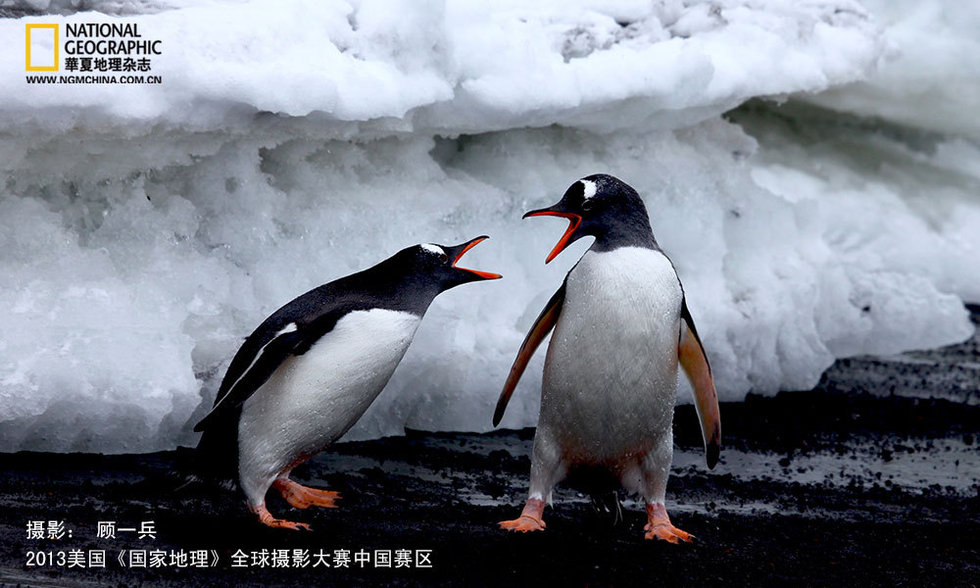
(459, 66)
(145, 230)
(930, 75)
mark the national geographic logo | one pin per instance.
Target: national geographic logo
(90, 53)
(42, 47)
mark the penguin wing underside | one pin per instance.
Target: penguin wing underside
(542, 326)
(690, 353)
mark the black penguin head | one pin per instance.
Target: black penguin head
(604, 207)
(437, 263)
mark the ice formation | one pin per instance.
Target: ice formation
(145, 230)
(929, 76)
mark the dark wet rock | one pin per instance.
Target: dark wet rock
(840, 485)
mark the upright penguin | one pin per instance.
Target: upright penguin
(311, 369)
(610, 377)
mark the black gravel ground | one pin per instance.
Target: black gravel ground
(870, 479)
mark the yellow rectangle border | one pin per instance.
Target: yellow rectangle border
(27, 36)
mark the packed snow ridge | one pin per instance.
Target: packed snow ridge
(465, 66)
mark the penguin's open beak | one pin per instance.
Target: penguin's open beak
(462, 248)
(574, 220)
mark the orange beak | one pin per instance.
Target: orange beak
(467, 247)
(574, 220)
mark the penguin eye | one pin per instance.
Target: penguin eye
(443, 258)
(588, 205)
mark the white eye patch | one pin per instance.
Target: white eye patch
(433, 249)
(588, 189)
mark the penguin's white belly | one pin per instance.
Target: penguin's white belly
(610, 378)
(314, 398)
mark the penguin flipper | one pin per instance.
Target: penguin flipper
(542, 326)
(262, 364)
(695, 363)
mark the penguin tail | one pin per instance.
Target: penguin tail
(608, 506)
(184, 471)
(603, 490)
(214, 462)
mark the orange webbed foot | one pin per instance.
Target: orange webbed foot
(659, 526)
(530, 519)
(266, 518)
(523, 525)
(668, 533)
(299, 496)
